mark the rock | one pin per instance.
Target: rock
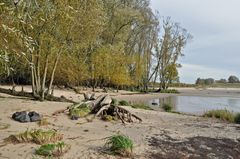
(34, 116)
(22, 117)
(74, 117)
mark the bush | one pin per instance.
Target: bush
(224, 115)
(53, 150)
(35, 136)
(167, 107)
(120, 145)
(237, 118)
(141, 106)
(123, 103)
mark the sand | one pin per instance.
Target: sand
(160, 135)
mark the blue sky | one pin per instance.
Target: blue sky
(215, 25)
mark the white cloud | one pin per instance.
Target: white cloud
(190, 72)
(214, 51)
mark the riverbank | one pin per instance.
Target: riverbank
(160, 135)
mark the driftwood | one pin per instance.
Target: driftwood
(102, 107)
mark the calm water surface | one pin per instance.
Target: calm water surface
(197, 104)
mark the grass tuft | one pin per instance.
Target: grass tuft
(224, 115)
(53, 150)
(79, 111)
(174, 91)
(114, 101)
(237, 118)
(35, 136)
(123, 103)
(141, 106)
(167, 107)
(43, 122)
(120, 145)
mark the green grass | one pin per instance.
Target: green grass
(120, 145)
(174, 91)
(167, 107)
(123, 103)
(53, 150)
(224, 115)
(237, 118)
(141, 106)
(81, 110)
(114, 101)
(35, 136)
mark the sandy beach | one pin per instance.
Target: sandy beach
(160, 135)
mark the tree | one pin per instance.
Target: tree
(168, 51)
(39, 31)
(233, 79)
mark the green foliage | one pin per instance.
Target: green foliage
(114, 101)
(167, 107)
(174, 91)
(123, 103)
(224, 115)
(237, 118)
(53, 150)
(141, 106)
(35, 136)
(79, 110)
(120, 145)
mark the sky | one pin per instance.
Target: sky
(215, 25)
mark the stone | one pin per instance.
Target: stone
(22, 117)
(74, 117)
(34, 116)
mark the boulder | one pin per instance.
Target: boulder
(34, 116)
(22, 117)
(74, 117)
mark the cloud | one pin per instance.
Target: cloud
(215, 26)
(190, 72)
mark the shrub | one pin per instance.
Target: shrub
(120, 145)
(167, 107)
(53, 150)
(237, 118)
(141, 106)
(224, 115)
(35, 136)
(123, 103)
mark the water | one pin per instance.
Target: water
(197, 104)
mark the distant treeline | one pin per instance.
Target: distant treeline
(210, 81)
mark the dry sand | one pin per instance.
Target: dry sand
(160, 135)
